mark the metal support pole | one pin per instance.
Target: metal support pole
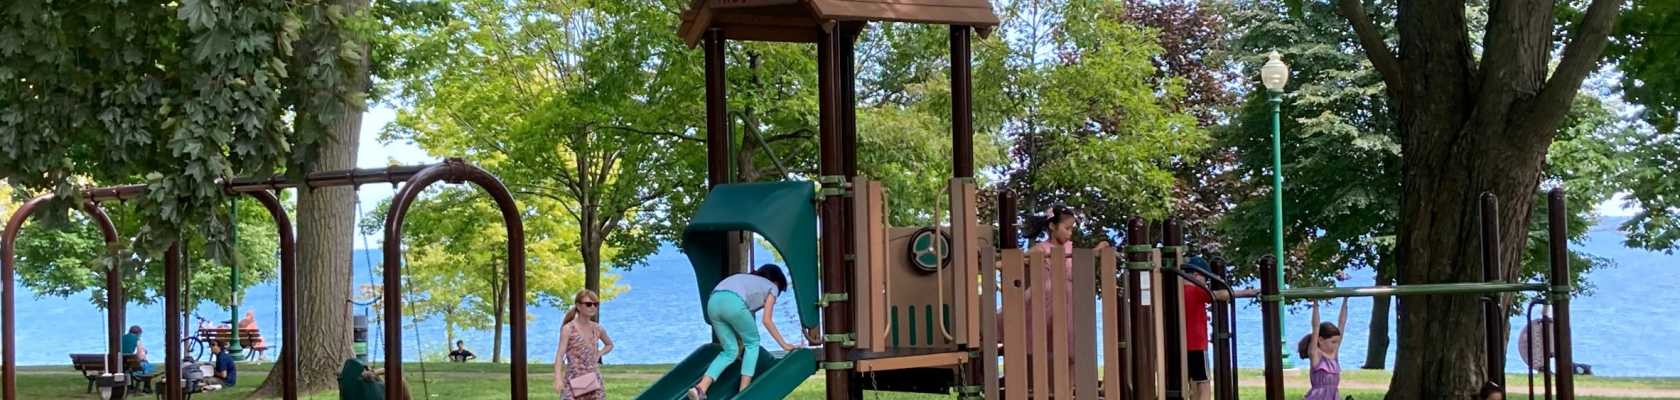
(172, 325)
(1494, 308)
(1271, 307)
(1274, 99)
(233, 263)
(287, 365)
(1173, 342)
(1224, 379)
(1558, 236)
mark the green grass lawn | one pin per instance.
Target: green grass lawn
(489, 381)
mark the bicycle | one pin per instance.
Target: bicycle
(193, 347)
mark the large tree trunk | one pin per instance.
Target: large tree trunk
(1376, 349)
(1468, 128)
(499, 290)
(326, 225)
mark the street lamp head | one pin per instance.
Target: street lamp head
(1275, 73)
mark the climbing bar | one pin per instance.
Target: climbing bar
(349, 177)
(1407, 290)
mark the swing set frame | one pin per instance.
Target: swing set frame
(415, 180)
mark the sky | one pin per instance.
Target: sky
(370, 153)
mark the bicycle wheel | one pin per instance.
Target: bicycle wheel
(194, 348)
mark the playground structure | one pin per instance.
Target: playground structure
(415, 180)
(893, 321)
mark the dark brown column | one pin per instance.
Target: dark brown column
(962, 113)
(1142, 340)
(717, 110)
(837, 315)
(1270, 308)
(1558, 235)
(172, 323)
(1172, 310)
(1493, 310)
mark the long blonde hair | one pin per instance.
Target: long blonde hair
(578, 298)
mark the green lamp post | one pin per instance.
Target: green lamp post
(233, 263)
(1275, 74)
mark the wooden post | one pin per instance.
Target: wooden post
(1114, 356)
(1084, 324)
(962, 114)
(1061, 319)
(1039, 324)
(837, 317)
(1016, 371)
(1141, 320)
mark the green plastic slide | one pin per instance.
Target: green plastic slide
(784, 214)
(776, 377)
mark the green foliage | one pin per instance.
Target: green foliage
(176, 95)
(455, 267)
(561, 109)
(1091, 128)
(1341, 156)
(72, 259)
(1647, 37)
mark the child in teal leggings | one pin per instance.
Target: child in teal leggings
(730, 309)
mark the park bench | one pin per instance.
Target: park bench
(93, 365)
(249, 338)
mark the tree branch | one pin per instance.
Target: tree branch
(658, 133)
(795, 134)
(1580, 58)
(1376, 49)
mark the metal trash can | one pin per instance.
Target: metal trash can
(359, 337)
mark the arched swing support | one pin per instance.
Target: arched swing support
(453, 171)
(263, 190)
(113, 293)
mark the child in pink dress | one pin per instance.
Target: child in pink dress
(1322, 348)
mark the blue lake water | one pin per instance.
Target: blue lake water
(1621, 328)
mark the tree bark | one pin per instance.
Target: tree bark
(326, 225)
(1376, 349)
(498, 289)
(1468, 128)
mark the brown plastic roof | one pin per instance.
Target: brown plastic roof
(803, 20)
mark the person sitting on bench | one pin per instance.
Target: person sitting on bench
(225, 373)
(461, 354)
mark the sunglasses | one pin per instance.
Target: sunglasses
(589, 303)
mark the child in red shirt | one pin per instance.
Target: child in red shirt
(1196, 301)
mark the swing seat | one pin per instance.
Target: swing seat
(353, 386)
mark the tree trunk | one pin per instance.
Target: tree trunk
(1376, 349)
(1468, 125)
(499, 290)
(326, 225)
(591, 255)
